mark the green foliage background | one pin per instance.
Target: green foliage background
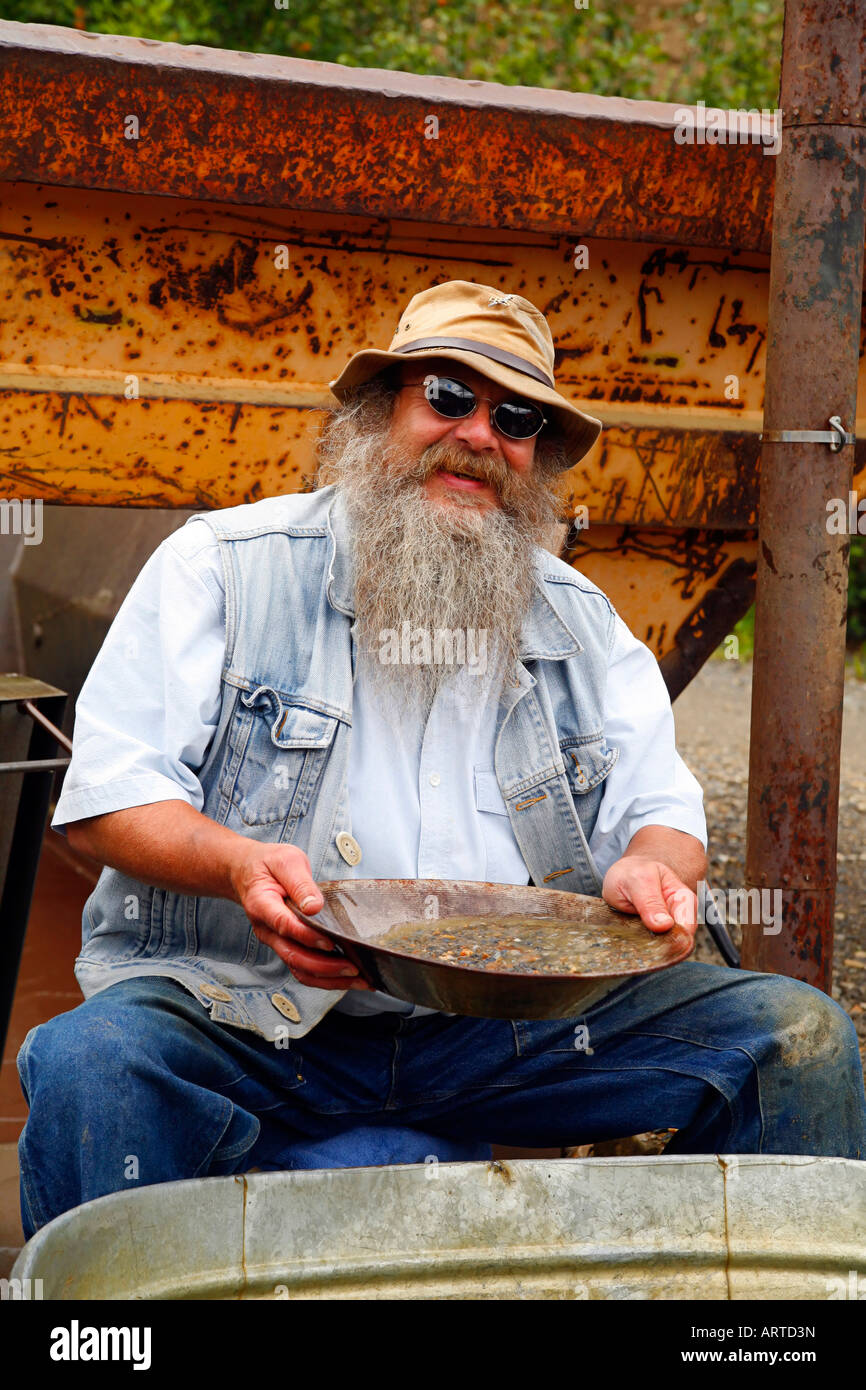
(725, 52)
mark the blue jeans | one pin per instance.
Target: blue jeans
(137, 1085)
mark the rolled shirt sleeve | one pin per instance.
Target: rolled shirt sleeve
(649, 783)
(150, 704)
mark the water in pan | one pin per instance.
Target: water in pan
(535, 945)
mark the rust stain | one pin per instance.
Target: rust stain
(231, 358)
(497, 1168)
(242, 1178)
(724, 1164)
(349, 141)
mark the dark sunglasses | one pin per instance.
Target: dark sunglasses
(454, 400)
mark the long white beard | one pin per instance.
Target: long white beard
(442, 589)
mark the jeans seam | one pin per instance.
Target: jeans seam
(640, 1066)
(236, 1151)
(215, 1154)
(281, 1105)
(35, 1209)
(760, 1106)
(691, 1042)
(21, 1063)
(245, 1076)
(390, 1103)
(449, 1095)
(34, 1205)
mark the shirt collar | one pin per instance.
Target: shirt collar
(546, 635)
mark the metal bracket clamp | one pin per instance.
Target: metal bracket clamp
(836, 436)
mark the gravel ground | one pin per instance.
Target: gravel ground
(712, 720)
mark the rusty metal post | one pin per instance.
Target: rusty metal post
(816, 277)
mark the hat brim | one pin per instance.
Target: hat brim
(579, 430)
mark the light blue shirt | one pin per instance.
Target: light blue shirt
(425, 802)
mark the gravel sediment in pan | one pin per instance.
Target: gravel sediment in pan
(518, 943)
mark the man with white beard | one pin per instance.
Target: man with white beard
(251, 727)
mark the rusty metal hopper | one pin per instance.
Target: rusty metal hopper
(180, 289)
(176, 303)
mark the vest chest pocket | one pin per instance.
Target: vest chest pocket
(588, 760)
(277, 753)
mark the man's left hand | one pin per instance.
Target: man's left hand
(644, 885)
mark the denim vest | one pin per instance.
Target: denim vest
(276, 769)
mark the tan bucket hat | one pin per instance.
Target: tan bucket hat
(499, 334)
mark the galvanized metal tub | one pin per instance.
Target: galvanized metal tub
(613, 1228)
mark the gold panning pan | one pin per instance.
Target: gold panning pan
(491, 950)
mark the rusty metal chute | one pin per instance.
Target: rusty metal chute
(153, 353)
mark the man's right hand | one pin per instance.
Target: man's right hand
(268, 881)
(172, 845)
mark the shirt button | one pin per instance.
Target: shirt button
(349, 847)
(435, 779)
(214, 992)
(286, 1007)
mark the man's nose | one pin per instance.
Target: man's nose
(477, 431)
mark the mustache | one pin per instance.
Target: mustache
(488, 468)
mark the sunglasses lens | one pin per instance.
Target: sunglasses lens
(449, 397)
(455, 401)
(518, 421)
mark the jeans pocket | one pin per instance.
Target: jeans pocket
(566, 1038)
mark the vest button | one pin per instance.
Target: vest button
(214, 992)
(349, 847)
(286, 1007)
